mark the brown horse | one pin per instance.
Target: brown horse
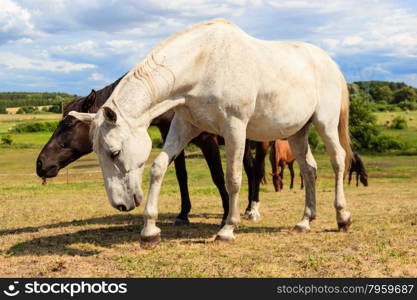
(280, 156)
(71, 140)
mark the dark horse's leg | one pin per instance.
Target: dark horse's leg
(302, 181)
(291, 168)
(248, 165)
(209, 145)
(357, 178)
(350, 175)
(281, 173)
(181, 173)
(257, 173)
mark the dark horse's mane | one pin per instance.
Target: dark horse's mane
(101, 96)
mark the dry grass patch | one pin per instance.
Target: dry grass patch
(70, 230)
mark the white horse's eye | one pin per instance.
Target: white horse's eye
(114, 154)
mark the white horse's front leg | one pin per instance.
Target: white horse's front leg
(234, 137)
(179, 135)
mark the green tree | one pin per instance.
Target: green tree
(382, 94)
(362, 123)
(405, 94)
(364, 131)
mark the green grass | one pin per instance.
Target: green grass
(67, 228)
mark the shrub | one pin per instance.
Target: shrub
(381, 106)
(405, 105)
(399, 122)
(383, 142)
(6, 140)
(35, 127)
(28, 110)
(56, 108)
(313, 139)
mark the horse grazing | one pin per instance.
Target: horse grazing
(220, 80)
(280, 156)
(71, 141)
(358, 167)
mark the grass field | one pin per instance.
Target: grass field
(67, 228)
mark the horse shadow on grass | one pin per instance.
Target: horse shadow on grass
(124, 228)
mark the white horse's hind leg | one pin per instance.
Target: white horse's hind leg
(180, 133)
(234, 137)
(330, 137)
(308, 167)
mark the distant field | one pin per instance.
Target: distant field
(67, 229)
(38, 117)
(408, 135)
(13, 110)
(411, 118)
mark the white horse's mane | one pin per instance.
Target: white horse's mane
(142, 71)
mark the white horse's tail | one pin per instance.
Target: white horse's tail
(343, 127)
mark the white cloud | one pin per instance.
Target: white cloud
(377, 38)
(370, 26)
(376, 68)
(124, 46)
(14, 61)
(86, 47)
(15, 22)
(96, 76)
(99, 49)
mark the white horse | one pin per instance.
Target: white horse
(220, 80)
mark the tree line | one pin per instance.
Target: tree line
(385, 95)
(27, 99)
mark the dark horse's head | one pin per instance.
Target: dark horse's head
(363, 177)
(69, 141)
(277, 181)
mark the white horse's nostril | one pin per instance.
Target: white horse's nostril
(121, 207)
(136, 200)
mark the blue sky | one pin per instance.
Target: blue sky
(75, 45)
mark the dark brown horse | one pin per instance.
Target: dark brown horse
(280, 156)
(71, 140)
(358, 167)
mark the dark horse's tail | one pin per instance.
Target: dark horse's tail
(343, 127)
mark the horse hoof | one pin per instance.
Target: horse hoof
(344, 227)
(181, 222)
(150, 242)
(300, 229)
(224, 239)
(254, 216)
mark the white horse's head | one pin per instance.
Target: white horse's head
(122, 152)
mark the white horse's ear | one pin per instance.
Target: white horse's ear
(109, 115)
(83, 117)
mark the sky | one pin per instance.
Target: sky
(74, 46)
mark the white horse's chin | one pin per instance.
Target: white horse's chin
(125, 193)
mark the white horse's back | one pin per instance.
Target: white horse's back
(276, 85)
